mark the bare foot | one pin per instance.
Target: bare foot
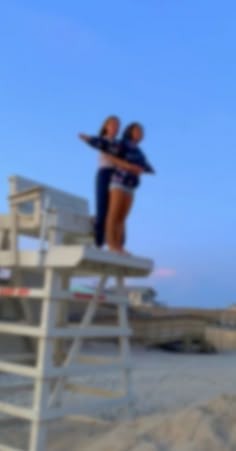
(126, 253)
(116, 250)
(120, 251)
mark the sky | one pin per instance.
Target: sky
(169, 64)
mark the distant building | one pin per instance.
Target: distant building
(138, 295)
(142, 296)
(232, 306)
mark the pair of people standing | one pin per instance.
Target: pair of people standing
(116, 179)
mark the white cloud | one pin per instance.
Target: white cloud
(163, 273)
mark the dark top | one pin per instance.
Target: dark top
(126, 151)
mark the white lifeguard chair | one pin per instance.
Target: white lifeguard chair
(57, 218)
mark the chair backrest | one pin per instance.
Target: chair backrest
(57, 199)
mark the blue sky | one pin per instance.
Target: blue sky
(168, 64)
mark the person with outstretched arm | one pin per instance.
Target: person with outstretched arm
(123, 182)
(107, 136)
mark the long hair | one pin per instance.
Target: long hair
(103, 129)
(128, 131)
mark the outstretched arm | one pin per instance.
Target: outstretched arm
(110, 147)
(114, 151)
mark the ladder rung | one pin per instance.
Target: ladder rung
(68, 332)
(16, 411)
(108, 299)
(21, 329)
(19, 387)
(90, 332)
(8, 448)
(20, 357)
(19, 370)
(61, 371)
(58, 412)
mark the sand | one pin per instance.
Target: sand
(182, 403)
(210, 426)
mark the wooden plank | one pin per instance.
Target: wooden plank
(21, 292)
(81, 259)
(20, 370)
(97, 261)
(20, 357)
(9, 448)
(19, 387)
(21, 329)
(26, 259)
(89, 332)
(58, 198)
(16, 411)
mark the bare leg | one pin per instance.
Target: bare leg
(113, 219)
(119, 206)
(126, 207)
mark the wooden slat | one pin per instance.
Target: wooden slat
(21, 292)
(20, 370)
(90, 332)
(20, 357)
(21, 329)
(97, 261)
(9, 448)
(16, 411)
(19, 387)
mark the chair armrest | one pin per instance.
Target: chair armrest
(26, 196)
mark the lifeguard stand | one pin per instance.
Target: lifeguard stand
(56, 218)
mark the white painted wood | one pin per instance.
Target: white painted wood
(97, 261)
(20, 370)
(124, 344)
(17, 387)
(23, 330)
(76, 345)
(38, 436)
(9, 448)
(55, 217)
(19, 292)
(81, 259)
(58, 197)
(90, 332)
(16, 411)
(22, 357)
(26, 259)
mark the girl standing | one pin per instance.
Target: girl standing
(109, 130)
(123, 181)
(107, 166)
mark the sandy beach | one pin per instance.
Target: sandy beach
(181, 403)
